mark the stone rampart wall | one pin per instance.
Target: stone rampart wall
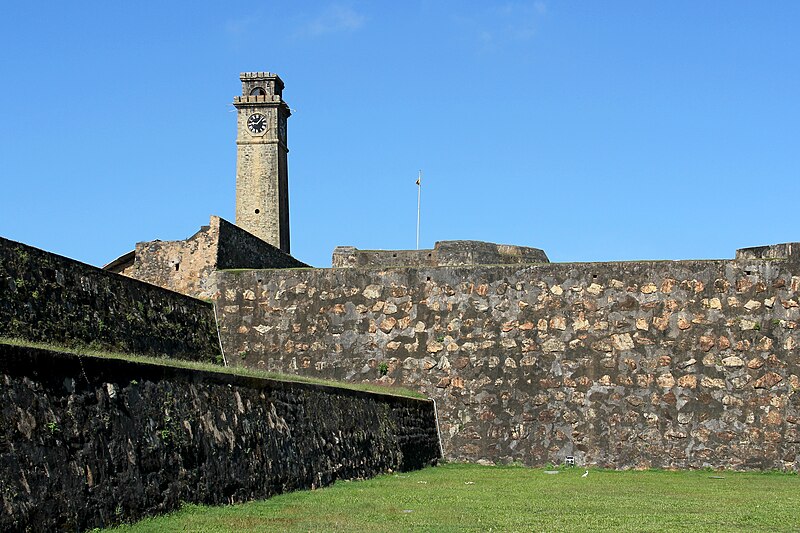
(444, 253)
(50, 298)
(789, 251)
(646, 364)
(89, 442)
(187, 266)
(181, 266)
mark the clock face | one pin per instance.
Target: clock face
(257, 123)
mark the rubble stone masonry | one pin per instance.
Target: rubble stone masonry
(627, 365)
(186, 266)
(89, 442)
(49, 298)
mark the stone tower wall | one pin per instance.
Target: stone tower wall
(262, 194)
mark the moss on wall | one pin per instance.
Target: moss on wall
(47, 297)
(88, 442)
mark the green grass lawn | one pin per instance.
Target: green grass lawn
(458, 497)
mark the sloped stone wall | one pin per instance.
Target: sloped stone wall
(87, 442)
(645, 364)
(239, 249)
(186, 266)
(50, 298)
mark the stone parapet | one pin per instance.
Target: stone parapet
(257, 76)
(444, 253)
(258, 100)
(789, 251)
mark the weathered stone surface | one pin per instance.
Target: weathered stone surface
(665, 381)
(594, 289)
(187, 266)
(706, 342)
(262, 193)
(388, 324)
(103, 441)
(540, 344)
(553, 345)
(49, 298)
(789, 251)
(712, 383)
(444, 253)
(732, 361)
(768, 380)
(435, 347)
(622, 342)
(649, 288)
(372, 291)
(752, 305)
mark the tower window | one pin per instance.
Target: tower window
(258, 91)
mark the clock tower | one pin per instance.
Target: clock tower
(262, 182)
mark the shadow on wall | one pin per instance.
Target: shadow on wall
(103, 441)
(50, 298)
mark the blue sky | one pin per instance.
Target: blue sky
(594, 130)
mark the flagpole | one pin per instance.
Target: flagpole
(419, 197)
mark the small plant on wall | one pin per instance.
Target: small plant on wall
(383, 368)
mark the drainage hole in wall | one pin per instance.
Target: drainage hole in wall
(257, 211)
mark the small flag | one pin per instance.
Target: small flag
(418, 180)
